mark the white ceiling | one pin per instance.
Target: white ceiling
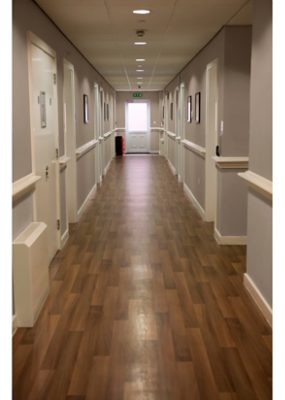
(105, 30)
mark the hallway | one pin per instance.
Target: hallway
(144, 304)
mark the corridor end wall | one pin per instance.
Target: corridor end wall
(123, 97)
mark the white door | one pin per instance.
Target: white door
(70, 140)
(44, 128)
(211, 140)
(137, 127)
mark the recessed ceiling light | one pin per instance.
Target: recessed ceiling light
(140, 43)
(140, 70)
(141, 11)
(140, 59)
(140, 77)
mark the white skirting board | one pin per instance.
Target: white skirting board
(194, 201)
(85, 203)
(258, 298)
(30, 273)
(173, 170)
(229, 240)
(14, 324)
(107, 167)
(64, 238)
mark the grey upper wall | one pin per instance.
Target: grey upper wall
(28, 17)
(171, 98)
(261, 90)
(237, 56)
(259, 246)
(231, 47)
(194, 77)
(123, 97)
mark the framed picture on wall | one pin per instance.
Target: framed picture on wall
(171, 111)
(85, 109)
(197, 107)
(189, 109)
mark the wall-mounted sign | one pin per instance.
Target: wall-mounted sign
(85, 109)
(137, 94)
(43, 115)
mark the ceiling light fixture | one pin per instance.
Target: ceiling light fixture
(140, 70)
(140, 59)
(140, 43)
(142, 12)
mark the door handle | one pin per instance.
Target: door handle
(47, 172)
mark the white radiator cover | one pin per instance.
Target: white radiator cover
(30, 273)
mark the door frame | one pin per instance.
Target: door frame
(177, 128)
(70, 150)
(181, 132)
(166, 123)
(33, 39)
(97, 111)
(211, 182)
(148, 122)
(101, 133)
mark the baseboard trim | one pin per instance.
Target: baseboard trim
(230, 240)
(64, 238)
(172, 168)
(84, 205)
(194, 201)
(107, 167)
(14, 324)
(258, 298)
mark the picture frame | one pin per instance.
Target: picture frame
(85, 109)
(197, 107)
(189, 109)
(171, 111)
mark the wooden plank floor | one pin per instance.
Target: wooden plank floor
(144, 305)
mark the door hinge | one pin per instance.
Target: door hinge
(58, 224)
(54, 79)
(57, 154)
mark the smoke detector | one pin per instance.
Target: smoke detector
(140, 33)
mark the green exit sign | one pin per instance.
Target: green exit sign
(137, 94)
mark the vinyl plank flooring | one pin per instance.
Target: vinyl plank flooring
(144, 304)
